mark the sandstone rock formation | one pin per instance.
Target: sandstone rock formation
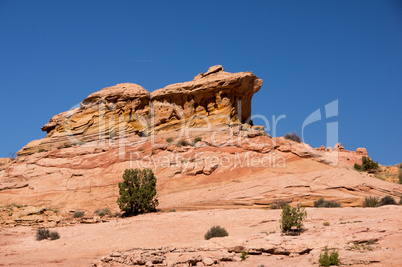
(214, 98)
(230, 164)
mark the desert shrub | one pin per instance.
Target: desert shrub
(387, 200)
(169, 140)
(102, 212)
(137, 192)
(42, 234)
(400, 177)
(243, 255)
(400, 200)
(197, 139)
(54, 235)
(326, 223)
(78, 214)
(327, 260)
(182, 142)
(321, 203)
(293, 136)
(370, 202)
(12, 156)
(368, 165)
(357, 167)
(292, 218)
(277, 204)
(216, 231)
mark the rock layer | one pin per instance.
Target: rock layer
(214, 98)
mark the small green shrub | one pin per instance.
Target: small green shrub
(326, 223)
(400, 177)
(173, 210)
(41, 150)
(78, 214)
(293, 136)
(370, 202)
(169, 140)
(277, 204)
(54, 235)
(42, 234)
(197, 139)
(327, 260)
(137, 192)
(292, 218)
(102, 212)
(357, 167)
(387, 200)
(216, 231)
(368, 165)
(400, 200)
(182, 142)
(321, 203)
(243, 255)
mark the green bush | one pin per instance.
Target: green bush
(321, 203)
(42, 234)
(182, 142)
(370, 202)
(292, 218)
(293, 136)
(400, 200)
(137, 192)
(197, 139)
(78, 214)
(54, 235)
(327, 260)
(368, 165)
(243, 255)
(326, 224)
(169, 140)
(400, 177)
(216, 231)
(102, 212)
(387, 200)
(357, 167)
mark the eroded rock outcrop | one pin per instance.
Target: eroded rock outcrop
(213, 98)
(228, 163)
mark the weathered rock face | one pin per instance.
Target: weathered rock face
(214, 98)
(230, 163)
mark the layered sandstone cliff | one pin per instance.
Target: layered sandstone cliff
(212, 98)
(81, 161)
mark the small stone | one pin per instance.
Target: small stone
(208, 261)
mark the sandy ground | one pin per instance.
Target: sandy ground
(82, 245)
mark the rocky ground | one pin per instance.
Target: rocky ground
(363, 236)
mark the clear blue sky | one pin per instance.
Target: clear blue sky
(309, 53)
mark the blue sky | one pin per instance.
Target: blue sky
(308, 53)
